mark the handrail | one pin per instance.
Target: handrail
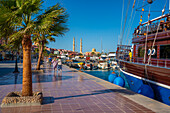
(154, 61)
(160, 17)
(140, 30)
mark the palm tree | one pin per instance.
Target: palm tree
(55, 27)
(18, 13)
(41, 40)
(5, 32)
(93, 53)
(98, 54)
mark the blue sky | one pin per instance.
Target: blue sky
(99, 20)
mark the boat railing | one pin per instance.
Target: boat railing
(156, 62)
(141, 30)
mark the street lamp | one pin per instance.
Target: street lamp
(16, 65)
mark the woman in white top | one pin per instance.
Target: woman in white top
(59, 65)
(55, 63)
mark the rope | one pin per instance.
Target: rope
(156, 34)
(141, 13)
(121, 38)
(131, 20)
(121, 20)
(143, 6)
(146, 73)
(126, 29)
(146, 35)
(152, 11)
(130, 24)
(122, 31)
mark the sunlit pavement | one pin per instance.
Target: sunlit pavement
(70, 92)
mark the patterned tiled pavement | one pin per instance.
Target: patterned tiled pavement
(69, 92)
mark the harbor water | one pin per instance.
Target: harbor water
(104, 74)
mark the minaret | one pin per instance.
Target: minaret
(73, 44)
(81, 45)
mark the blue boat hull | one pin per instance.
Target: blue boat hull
(162, 94)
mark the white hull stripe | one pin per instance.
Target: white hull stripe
(153, 82)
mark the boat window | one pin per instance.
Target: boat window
(165, 51)
(141, 52)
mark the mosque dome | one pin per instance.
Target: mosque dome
(93, 50)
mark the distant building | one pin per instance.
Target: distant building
(81, 46)
(92, 53)
(57, 51)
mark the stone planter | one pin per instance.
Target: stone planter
(14, 99)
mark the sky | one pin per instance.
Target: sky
(98, 22)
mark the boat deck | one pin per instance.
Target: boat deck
(78, 92)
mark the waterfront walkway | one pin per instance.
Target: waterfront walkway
(77, 92)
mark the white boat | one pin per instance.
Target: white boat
(103, 65)
(103, 57)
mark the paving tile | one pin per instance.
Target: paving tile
(67, 94)
(129, 111)
(55, 111)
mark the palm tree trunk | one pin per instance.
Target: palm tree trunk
(27, 74)
(40, 55)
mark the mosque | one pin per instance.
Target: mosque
(93, 52)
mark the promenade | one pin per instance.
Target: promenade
(78, 92)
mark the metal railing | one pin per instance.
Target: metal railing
(156, 62)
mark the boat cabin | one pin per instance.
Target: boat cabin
(160, 55)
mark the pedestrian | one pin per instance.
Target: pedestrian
(91, 66)
(2, 58)
(49, 60)
(108, 65)
(130, 55)
(55, 63)
(59, 65)
(81, 66)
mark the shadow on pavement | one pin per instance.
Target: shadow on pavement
(17, 78)
(5, 71)
(48, 100)
(71, 71)
(51, 99)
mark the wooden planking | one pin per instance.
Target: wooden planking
(161, 75)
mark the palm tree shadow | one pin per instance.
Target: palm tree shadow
(71, 71)
(48, 100)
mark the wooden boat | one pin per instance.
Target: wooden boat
(156, 71)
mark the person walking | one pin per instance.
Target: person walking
(55, 63)
(81, 66)
(49, 60)
(59, 65)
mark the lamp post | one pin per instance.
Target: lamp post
(16, 65)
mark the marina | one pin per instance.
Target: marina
(85, 56)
